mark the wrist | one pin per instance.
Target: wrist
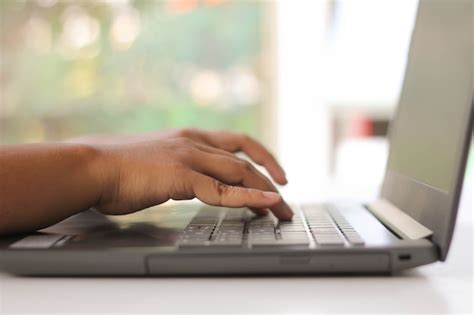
(99, 169)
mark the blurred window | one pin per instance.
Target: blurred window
(75, 67)
(368, 42)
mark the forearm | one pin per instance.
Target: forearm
(43, 184)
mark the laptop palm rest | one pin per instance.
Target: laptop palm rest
(210, 264)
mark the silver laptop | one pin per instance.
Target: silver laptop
(411, 223)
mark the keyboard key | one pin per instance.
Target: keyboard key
(37, 241)
(227, 240)
(356, 241)
(325, 231)
(193, 243)
(200, 227)
(231, 225)
(292, 228)
(193, 237)
(261, 225)
(294, 235)
(259, 243)
(226, 244)
(227, 232)
(329, 240)
(347, 230)
(294, 238)
(254, 237)
(328, 228)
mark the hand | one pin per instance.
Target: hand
(227, 141)
(123, 175)
(149, 172)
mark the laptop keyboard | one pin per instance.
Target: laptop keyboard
(316, 225)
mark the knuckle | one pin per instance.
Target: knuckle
(247, 195)
(178, 168)
(189, 150)
(221, 188)
(183, 132)
(264, 159)
(223, 132)
(184, 141)
(184, 147)
(245, 137)
(221, 192)
(246, 167)
(187, 132)
(271, 155)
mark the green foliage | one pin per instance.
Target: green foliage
(50, 95)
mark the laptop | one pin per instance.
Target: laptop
(409, 225)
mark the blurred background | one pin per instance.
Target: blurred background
(316, 81)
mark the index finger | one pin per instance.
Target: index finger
(237, 172)
(216, 193)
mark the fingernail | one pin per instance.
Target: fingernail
(271, 195)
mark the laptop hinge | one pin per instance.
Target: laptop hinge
(400, 222)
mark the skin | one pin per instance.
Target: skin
(42, 184)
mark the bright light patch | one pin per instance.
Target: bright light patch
(125, 28)
(206, 87)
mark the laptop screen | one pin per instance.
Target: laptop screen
(428, 134)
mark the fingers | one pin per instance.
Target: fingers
(235, 142)
(214, 150)
(233, 171)
(215, 193)
(259, 211)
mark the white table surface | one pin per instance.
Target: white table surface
(437, 288)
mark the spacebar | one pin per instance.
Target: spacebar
(258, 243)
